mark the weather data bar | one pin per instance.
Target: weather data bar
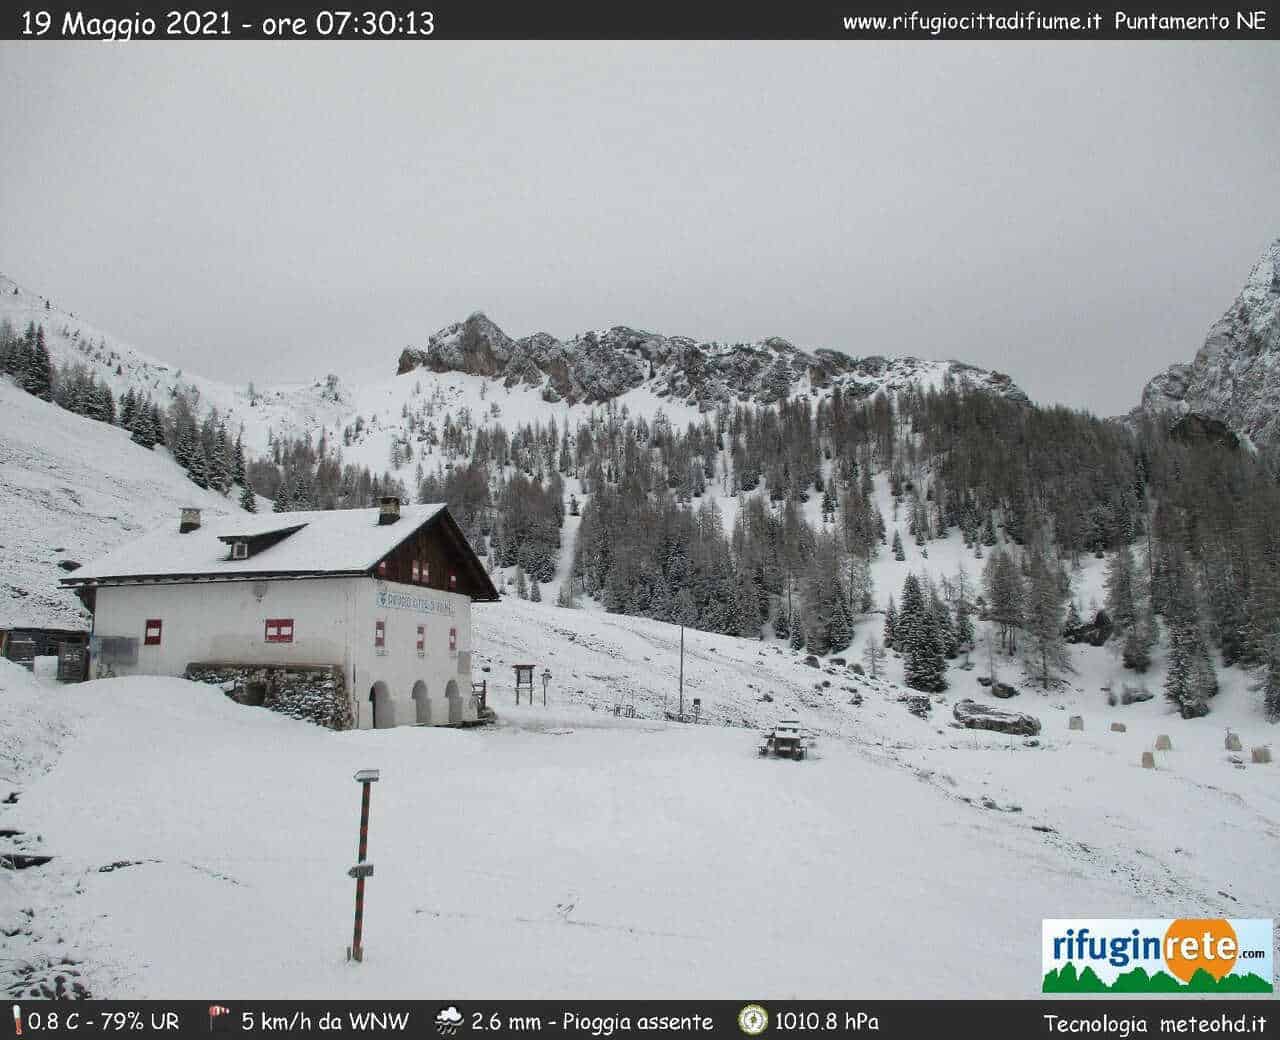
(679, 1018)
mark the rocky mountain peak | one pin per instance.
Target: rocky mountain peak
(1235, 376)
(599, 365)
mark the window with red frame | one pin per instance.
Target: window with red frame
(382, 569)
(453, 582)
(379, 634)
(279, 630)
(151, 632)
(417, 572)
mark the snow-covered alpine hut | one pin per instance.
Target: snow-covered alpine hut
(373, 604)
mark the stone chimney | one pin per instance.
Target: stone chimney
(189, 521)
(388, 509)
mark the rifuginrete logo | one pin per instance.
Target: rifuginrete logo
(1183, 955)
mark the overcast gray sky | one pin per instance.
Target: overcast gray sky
(1073, 214)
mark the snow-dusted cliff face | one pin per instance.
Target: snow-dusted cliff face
(1235, 377)
(597, 366)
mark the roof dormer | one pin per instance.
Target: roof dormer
(248, 543)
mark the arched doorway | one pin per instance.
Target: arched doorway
(423, 703)
(455, 701)
(382, 710)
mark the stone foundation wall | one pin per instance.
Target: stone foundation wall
(313, 694)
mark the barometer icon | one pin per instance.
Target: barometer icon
(753, 1020)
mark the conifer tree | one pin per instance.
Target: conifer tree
(248, 500)
(988, 537)
(237, 462)
(1045, 650)
(198, 471)
(1136, 651)
(1005, 596)
(1191, 680)
(873, 654)
(797, 633)
(891, 626)
(1121, 601)
(898, 553)
(283, 502)
(920, 640)
(781, 624)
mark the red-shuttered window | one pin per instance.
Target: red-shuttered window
(426, 572)
(279, 630)
(422, 640)
(379, 634)
(453, 640)
(382, 569)
(417, 572)
(453, 582)
(151, 632)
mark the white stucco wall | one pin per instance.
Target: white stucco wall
(402, 608)
(334, 624)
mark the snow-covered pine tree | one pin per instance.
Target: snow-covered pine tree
(248, 501)
(988, 536)
(1141, 637)
(919, 640)
(964, 625)
(283, 502)
(1005, 596)
(944, 626)
(1191, 680)
(873, 654)
(198, 471)
(1269, 681)
(1046, 653)
(781, 623)
(220, 461)
(898, 553)
(1121, 600)
(237, 461)
(890, 625)
(535, 591)
(797, 633)
(38, 379)
(840, 631)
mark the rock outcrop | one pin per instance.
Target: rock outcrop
(1235, 377)
(972, 715)
(594, 367)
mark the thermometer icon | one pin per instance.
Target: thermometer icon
(17, 1020)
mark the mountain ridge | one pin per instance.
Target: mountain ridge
(596, 366)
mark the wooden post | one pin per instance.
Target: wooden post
(357, 951)
(362, 870)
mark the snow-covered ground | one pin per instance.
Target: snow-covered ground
(567, 851)
(70, 490)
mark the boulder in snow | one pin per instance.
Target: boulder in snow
(972, 715)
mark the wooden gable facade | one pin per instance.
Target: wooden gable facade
(437, 556)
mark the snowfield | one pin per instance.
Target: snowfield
(568, 852)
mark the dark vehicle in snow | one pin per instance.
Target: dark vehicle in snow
(786, 741)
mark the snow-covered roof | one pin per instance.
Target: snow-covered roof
(260, 526)
(338, 541)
